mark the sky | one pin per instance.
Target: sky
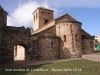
(85, 11)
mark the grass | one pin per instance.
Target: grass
(72, 67)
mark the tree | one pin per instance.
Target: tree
(96, 42)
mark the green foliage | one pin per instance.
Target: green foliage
(79, 66)
(96, 42)
(28, 30)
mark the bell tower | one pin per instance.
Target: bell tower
(41, 16)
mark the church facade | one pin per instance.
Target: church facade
(60, 38)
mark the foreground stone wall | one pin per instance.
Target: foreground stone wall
(92, 57)
(14, 36)
(3, 17)
(3, 22)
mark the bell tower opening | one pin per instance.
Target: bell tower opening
(46, 21)
(41, 16)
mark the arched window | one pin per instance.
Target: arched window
(48, 13)
(46, 21)
(42, 11)
(76, 37)
(51, 43)
(64, 38)
(34, 17)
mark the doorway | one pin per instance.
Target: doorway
(19, 52)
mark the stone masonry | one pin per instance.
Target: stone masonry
(49, 39)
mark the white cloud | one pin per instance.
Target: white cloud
(10, 21)
(22, 16)
(45, 3)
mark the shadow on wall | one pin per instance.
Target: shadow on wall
(64, 51)
(53, 48)
(68, 54)
(5, 55)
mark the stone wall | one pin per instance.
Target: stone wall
(13, 36)
(32, 54)
(16, 35)
(87, 46)
(77, 39)
(43, 43)
(48, 48)
(71, 47)
(87, 43)
(3, 22)
(92, 57)
(63, 30)
(3, 17)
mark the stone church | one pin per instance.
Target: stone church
(48, 39)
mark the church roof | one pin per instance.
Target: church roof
(87, 35)
(66, 18)
(43, 8)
